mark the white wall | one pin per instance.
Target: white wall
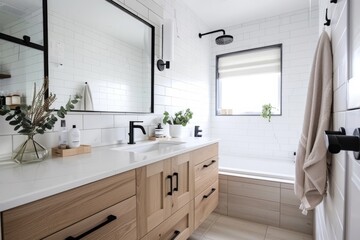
(185, 85)
(329, 215)
(252, 135)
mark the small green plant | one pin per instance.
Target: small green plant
(266, 111)
(38, 117)
(181, 118)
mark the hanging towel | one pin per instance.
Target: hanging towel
(87, 101)
(312, 156)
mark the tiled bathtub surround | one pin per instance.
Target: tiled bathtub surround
(267, 202)
(254, 136)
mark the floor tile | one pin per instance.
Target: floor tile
(274, 233)
(201, 230)
(226, 228)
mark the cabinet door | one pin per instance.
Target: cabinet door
(183, 181)
(153, 199)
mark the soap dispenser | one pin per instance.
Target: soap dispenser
(74, 137)
(159, 131)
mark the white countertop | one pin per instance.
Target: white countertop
(21, 184)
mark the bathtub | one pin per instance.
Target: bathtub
(271, 169)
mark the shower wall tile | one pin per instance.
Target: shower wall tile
(251, 135)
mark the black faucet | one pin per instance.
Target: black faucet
(132, 126)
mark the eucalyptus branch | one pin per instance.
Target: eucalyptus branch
(38, 117)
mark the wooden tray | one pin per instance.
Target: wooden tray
(58, 152)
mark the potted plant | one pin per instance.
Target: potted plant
(35, 119)
(178, 122)
(266, 111)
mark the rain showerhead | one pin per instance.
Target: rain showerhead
(224, 39)
(221, 40)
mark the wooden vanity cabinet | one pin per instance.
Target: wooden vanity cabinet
(164, 200)
(206, 182)
(163, 188)
(86, 205)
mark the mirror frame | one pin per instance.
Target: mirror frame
(152, 28)
(43, 47)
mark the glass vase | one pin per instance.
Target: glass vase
(29, 151)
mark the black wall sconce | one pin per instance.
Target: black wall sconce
(328, 21)
(333, 1)
(167, 42)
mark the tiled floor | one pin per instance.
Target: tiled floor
(219, 227)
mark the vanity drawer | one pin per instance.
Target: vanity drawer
(123, 227)
(46, 216)
(205, 203)
(206, 173)
(177, 227)
(204, 153)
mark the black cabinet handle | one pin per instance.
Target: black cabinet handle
(176, 233)
(110, 218)
(207, 165)
(177, 181)
(208, 195)
(171, 185)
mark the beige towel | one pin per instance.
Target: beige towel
(311, 159)
(86, 101)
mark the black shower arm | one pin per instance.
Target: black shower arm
(220, 30)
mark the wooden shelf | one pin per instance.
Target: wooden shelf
(3, 76)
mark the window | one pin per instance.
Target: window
(247, 80)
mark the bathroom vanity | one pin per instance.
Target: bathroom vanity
(148, 191)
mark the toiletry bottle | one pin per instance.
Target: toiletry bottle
(63, 135)
(8, 99)
(159, 131)
(15, 98)
(74, 137)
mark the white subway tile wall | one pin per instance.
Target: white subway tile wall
(111, 67)
(24, 64)
(253, 135)
(185, 85)
(329, 215)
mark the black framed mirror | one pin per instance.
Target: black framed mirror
(103, 52)
(23, 44)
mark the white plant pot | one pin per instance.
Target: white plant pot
(176, 131)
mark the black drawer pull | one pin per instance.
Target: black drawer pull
(207, 165)
(176, 233)
(208, 195)
(177, 181)
(110, 218)
(171, 185)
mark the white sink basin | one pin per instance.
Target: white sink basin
(148, 147)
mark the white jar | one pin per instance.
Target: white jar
(74, 137)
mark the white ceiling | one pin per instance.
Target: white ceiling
(224, 13)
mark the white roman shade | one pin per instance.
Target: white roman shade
(260, 61)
